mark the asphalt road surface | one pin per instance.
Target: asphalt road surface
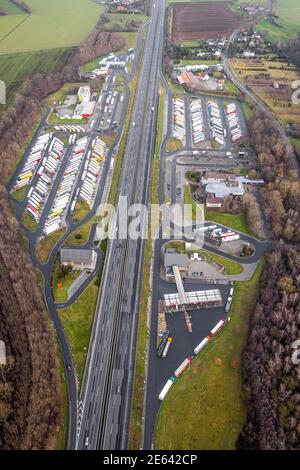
(107, 387)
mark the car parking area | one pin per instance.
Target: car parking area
(46, 174)
(178, 119)
(110, 105)
(66, 188)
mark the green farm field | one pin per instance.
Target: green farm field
(15, 68)
(288, 12)
(52, 24)
(9, 8)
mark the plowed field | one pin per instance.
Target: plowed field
(200, 21)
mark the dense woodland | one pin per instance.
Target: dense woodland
(30, 388)
(272, 380)
(281, 193)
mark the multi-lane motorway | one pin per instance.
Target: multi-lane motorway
(106, 396)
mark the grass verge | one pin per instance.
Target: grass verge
(45, 245)
(234, 221)
(81, 210)
(29, 222)
(77, 321)
(82, 234)
(61, 282)
(19, 194)
(173, 144)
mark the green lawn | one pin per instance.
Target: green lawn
(77, 321)
(82, 234)
(29, 222)
(46, 244)
(19, 194)
(52, 24)
(94, 64)
(201, 60)
(55, 119)
(231, 88)
(60, 285)
(235, 221)
(189, 200)
(230, 267)
(208, 398)
(81, 210)
(130, 40)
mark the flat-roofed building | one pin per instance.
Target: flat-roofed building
(79, 259)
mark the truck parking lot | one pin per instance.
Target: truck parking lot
(46, 175)
(178, 119)
(207, 123)
(66, 187)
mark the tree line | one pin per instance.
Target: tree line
(30, 388)
(281, 192)
(271, 376)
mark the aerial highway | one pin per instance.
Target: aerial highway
(107, 387)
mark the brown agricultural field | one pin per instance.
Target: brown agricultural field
(200, 21)
(272, 82)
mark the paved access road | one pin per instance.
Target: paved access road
(108, 379)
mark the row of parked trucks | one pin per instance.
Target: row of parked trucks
(233, 122)
(198, 132)
(38, 194)
(69, 128)
(178, 129)
(218, 234)
(32, 161)
(223, 236)
(187, 362)
(218, 132)
(92, 171)
(164, 345)
(66, 187)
